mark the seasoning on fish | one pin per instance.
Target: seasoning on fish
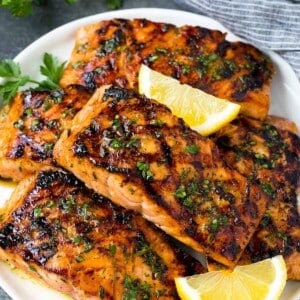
(30, 127)
(135, 152)
(81, 244)
(112, 51)
(268, 152)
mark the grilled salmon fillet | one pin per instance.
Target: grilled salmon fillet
(112, 51)
(135, 152)
(81, 244)
(31, 125)
(269, 155)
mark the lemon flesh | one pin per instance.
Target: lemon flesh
(201, 111)
(264, 280)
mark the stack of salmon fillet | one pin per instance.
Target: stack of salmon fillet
(111, 184)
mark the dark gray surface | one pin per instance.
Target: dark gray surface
(17, 34)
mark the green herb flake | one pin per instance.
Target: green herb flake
(116, 144)
(36, 124)
(32, 268)
(153, 57)
(50, 204)
(116, 124)
(204, 61)
(218, 222)
(184, 173)
(112, 249)
(77, 64)
(19, 124)
(47, 104)
(133, 143)
(157, 122)
(52, 123)
(88, 245)
(283, 236)
(161, 50)
(134, 289)
(37, 212)
(144, 169)
(180, 193)
(49, 146)
(67, 204)
(77, 240)
(28, 112)
(114, 4)
(99, 71)
(151, 258)
(186, 69)
(84, 210)
(68, 112)
(267, 188)
(79, 258)
(192, 149)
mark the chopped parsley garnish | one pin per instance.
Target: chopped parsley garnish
(267, 188)
(112, 249)
(37, 212)
(151, 258)
(192, 149)
(144, 169)
(218, 222)
(134, 289)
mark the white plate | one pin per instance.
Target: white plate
(285, 103)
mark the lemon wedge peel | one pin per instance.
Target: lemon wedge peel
(203, 112)
(264, 280)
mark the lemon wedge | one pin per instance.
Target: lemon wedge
(264, 280)
(201, 111)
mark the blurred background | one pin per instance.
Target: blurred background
(17, 33)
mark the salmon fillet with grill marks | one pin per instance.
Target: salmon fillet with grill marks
(269, 155)
(135, 152)
(79, 243)
(30, 127)
(112, 51)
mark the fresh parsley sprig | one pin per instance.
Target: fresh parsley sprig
(13, 79)
(52, 69)
(23, 8)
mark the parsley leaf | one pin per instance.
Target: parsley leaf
(114, 4)
(191, 149)
(13, 79)
(9, 68)
(52, 69)
(23, 8)
(18, 8)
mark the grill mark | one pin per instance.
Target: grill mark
(271, 238)
(36, 150)
(41, 238)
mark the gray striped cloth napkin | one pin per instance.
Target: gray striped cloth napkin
(272, 24)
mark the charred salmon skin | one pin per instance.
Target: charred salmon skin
(135, 152)
(79, 243)
(112, 51)
(269, 153)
